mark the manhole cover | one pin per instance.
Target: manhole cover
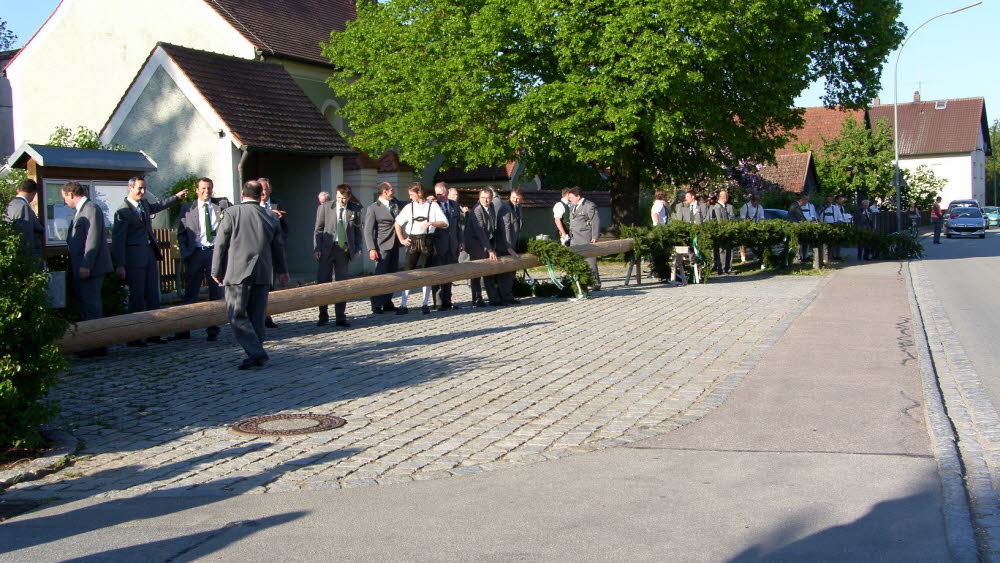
(287, 424)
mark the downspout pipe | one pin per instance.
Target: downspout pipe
(241, 167)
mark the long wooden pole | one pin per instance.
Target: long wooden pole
(122, 328)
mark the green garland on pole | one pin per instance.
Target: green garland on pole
(559, 257)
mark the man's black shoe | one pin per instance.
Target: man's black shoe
(453, 307)
(136, 344)
(497, 304)
(179, 336)
(377, 310)
(212, 336)
(342, 322)
(389, 307)
(156, 340)
(402, 311)
(513, 302)
(479, 303)
(270, 323)
(93, 353)
(425, 310)
(253, 362)
(323, 321)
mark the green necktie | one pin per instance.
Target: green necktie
(341, 229)
(209, 231)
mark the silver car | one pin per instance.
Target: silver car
(965, 222)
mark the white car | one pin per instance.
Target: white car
(965, 222)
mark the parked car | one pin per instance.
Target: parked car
(992, 216)
(965, 222)
(963, 203)
(775, 214)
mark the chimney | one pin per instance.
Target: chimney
(916, 96)
(878, 101)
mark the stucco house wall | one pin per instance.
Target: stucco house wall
(109, 40)
(189, 147)
(964, 173)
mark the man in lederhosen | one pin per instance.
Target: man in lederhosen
(415, 227)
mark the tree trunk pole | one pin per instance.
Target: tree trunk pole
(86, 335)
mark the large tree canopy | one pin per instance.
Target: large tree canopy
(649, 90)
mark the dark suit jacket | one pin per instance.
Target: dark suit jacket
(283, 222)
(478, 239)
(379, 228)
(326, 228)
(249, 247)
(584, 222)
(508, 228)
(446, 240)
(863, 222)
(87, 242)
(795, 214)
(132, 237)
(25, 221)
(189, 225)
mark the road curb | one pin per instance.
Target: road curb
(64, 445)
(958, 516)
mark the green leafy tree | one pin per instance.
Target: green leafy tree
(921, 187)
(859, 158)
(992, 166)
(82, 138)
(653, 91)
(7, 37)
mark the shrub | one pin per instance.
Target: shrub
(29, 351)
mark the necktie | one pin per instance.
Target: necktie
(491, 223)
(341, 229)
(392, 209)
(517, 215)
(209, 231)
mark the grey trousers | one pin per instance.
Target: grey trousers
(593, 269)
(246, 304)
(333, 266)
(198, 268)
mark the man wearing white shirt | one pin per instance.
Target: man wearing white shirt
(199, 221)
(560, 215)
(415, 226)
(658, 213)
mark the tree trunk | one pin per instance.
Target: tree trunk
(818, 257)
(625, 190)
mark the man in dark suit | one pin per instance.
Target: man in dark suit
(480, 243)
(722, 212)
(196, 230)
(447, 244)
(89, 259)
(381, 241)
(249, 250)
(864, 219)
(509, 223)
(337, 241)
(276, 208)
(23, 217)
(584, 227)
(134, 250)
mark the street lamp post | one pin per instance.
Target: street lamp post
(897, 175)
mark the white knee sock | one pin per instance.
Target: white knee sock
(402, 302)
(427, 294)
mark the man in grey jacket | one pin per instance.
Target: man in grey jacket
(25, 220)
(480, 243)
(381, 242)
(89, 259)
(691, 210)
(584, 227)
(337, 241)
(135, 252)
(249, 250)
(509, 225)
(722, 212)
(447, 244)
(199, 221)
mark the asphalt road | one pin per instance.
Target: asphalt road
(964, 274)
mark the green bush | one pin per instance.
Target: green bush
(29, 351)
(562, 258)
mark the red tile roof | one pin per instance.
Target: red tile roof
(260, 102)
(479, 174)
(290, 28)
(791, 172)
(819, 123)
(925, 129)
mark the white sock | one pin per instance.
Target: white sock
(402, 302)
(427, 294)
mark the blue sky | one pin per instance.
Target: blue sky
(948, 58)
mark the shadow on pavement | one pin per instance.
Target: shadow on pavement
(892, 530)
(27, 531)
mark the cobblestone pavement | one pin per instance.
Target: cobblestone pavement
(424, 397)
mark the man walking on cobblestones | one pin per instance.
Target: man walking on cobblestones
(249, 250)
